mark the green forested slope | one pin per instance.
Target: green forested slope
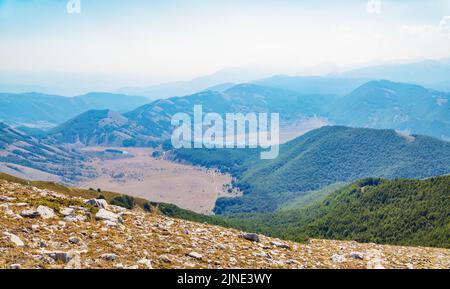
(402, 212)
(321, 158)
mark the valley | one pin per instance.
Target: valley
(157, 179)
(224, 135)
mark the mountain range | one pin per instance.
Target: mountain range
(376, 104)
(213, 81)
(432, 74)
(150, 124)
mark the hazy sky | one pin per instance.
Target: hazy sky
(132, 42)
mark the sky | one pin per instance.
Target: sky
(115, 43)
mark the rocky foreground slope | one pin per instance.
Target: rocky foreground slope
(44, 229)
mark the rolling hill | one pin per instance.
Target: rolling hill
(386, 104)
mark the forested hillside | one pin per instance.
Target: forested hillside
(401, 212)
(321, 158)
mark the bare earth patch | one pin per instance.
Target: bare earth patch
(160, 180)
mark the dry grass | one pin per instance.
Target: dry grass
(159, 180)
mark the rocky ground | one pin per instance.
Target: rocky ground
(43, 229)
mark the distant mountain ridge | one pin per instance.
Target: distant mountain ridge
(434, 74)
(36, 109)
(382, 104)
(325, 85)
(198, 84)
(112, 101)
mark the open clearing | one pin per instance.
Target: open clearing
(159, 180)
